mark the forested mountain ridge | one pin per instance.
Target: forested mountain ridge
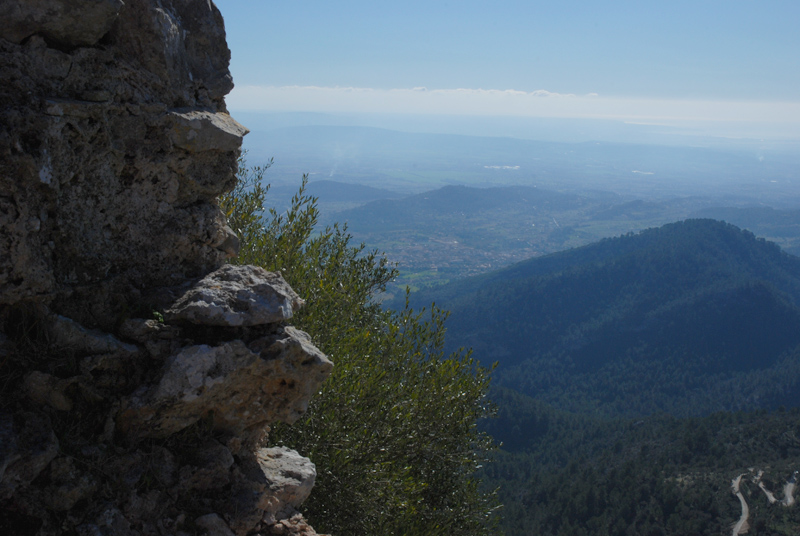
(395, 214)
(689, 318)
(562, 473)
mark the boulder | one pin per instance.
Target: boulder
(235, 388)
(236, 296)
(267, 487)
(199, 131)
(289, 478)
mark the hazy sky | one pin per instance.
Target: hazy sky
(648, 60)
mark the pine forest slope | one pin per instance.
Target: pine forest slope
(568, 474)
(689, 318)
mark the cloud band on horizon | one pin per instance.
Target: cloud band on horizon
(493, 102)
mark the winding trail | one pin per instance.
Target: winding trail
(770, 496)
(741, 526)
(788, 490)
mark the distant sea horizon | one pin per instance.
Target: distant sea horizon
(769, 137)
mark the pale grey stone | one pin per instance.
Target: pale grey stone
(290, 477)
(199, 131)
(236, 296)
(239, 389)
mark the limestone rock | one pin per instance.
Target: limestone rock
(213, 525)
(160, 340)
(68, 334)
(25, 452)
(162, 465)
(5, 345)
(127, 469)
(142, 331)
(8, 444)
(97, 203)
(209, 469)
(293, 526)
(115, 145)
(289, 477)
(267, 487)
(109, 521)
(236, 296)
(199, 131)
(69, 22)
(47, 389)
(68, 485)
(237, 388)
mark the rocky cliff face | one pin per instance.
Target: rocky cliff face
(115, 143)
(138, 375)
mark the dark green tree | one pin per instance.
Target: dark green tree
(393, 432)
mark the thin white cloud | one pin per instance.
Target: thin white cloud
(509, 102)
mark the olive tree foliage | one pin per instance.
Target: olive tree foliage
(393, 431)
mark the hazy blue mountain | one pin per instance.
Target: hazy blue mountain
(412, 162)
(418, 211)
(455, 231)
(332, 196)
(781, 226)
(692, 317)
(342, 192)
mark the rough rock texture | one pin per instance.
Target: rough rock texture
(232, 387)
(115, 143)
(237, 296)
(290, 477)
(76, 23)
(138, 375)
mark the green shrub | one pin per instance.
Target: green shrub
(393, 431)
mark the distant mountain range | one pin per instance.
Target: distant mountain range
(414, 162)
(693, 317)
(455, 231)
(454, 203)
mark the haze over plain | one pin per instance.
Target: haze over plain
(717, 68)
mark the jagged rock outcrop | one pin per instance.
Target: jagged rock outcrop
(115, 143)
(138, 373)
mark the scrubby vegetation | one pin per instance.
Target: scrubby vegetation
(393, 432)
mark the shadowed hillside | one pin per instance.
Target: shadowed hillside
(689, 318)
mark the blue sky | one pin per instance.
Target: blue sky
(658, 61)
